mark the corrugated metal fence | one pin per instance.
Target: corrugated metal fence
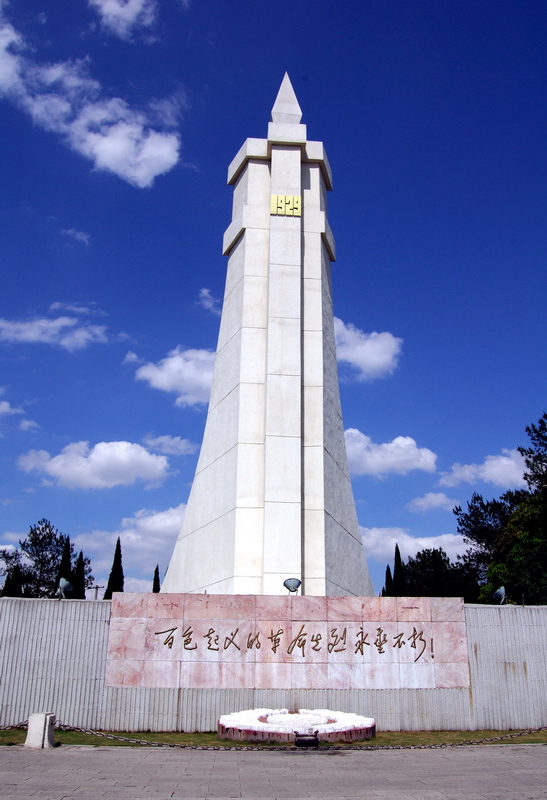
(53, 654)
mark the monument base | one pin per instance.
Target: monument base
(306, 728)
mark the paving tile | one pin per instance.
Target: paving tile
(72, 773)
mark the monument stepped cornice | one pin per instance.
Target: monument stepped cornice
(261, 149)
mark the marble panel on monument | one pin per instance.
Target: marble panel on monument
(248, 641)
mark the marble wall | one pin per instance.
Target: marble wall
(278, 642)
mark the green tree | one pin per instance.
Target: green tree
(115, 579)
(78, 579)
(399, 580)
(428, 573)
(482, 527)
(431, 574)
(387, 591)
(535, 457)
(522, 569)
(13, 586)
(65, 567)
(42, 549)
(508, 536)
(39, 559)
(156, 580)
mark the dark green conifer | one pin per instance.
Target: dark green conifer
(65, 567)
(115, 579)
(13, 587)
(388, 586)
(78, 582)
(399, 581)
(156, 581)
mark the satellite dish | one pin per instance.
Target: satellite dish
(499, 595)
(292, 584)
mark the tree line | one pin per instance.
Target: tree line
(506, 539)
(46, 564)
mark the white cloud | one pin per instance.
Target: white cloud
(398, 456)
(64, 99)
(505, 470)
(7, 409)
(28, 425)
(137, 585)
(372, 355)
(107, 464)
(78, 236)
(432, 500)
(73, 308)
(170, 445)
(189, 373)
(166, 111)
(379, 543)
(131, 358)
(209, 302)
(147, 539)
(12, 538)
(66, 332)
(122, 17)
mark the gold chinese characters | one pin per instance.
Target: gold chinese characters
(340, 639)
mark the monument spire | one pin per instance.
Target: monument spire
(271, 497)
(286, 107)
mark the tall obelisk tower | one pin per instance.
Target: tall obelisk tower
(271, 498)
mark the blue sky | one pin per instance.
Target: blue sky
(117, 123)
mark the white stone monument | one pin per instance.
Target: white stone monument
(271, 497)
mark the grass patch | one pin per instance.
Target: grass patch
(383, 739)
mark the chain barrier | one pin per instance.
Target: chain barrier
(147, 743)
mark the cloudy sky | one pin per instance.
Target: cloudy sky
(118, 121)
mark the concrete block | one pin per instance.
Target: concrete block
(40, 730)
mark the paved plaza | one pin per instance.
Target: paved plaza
(502, 772)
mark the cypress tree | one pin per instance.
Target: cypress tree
(65, 567)
(399, 581)
(115, 579)
(388, 586)
(156, 581)
(78, 582)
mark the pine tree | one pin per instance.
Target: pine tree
(399, 582)
(39, 558)
(115, 579)
(535, 457)
(156, 581)
(43, 548)
(78, 579)
(507, 536)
